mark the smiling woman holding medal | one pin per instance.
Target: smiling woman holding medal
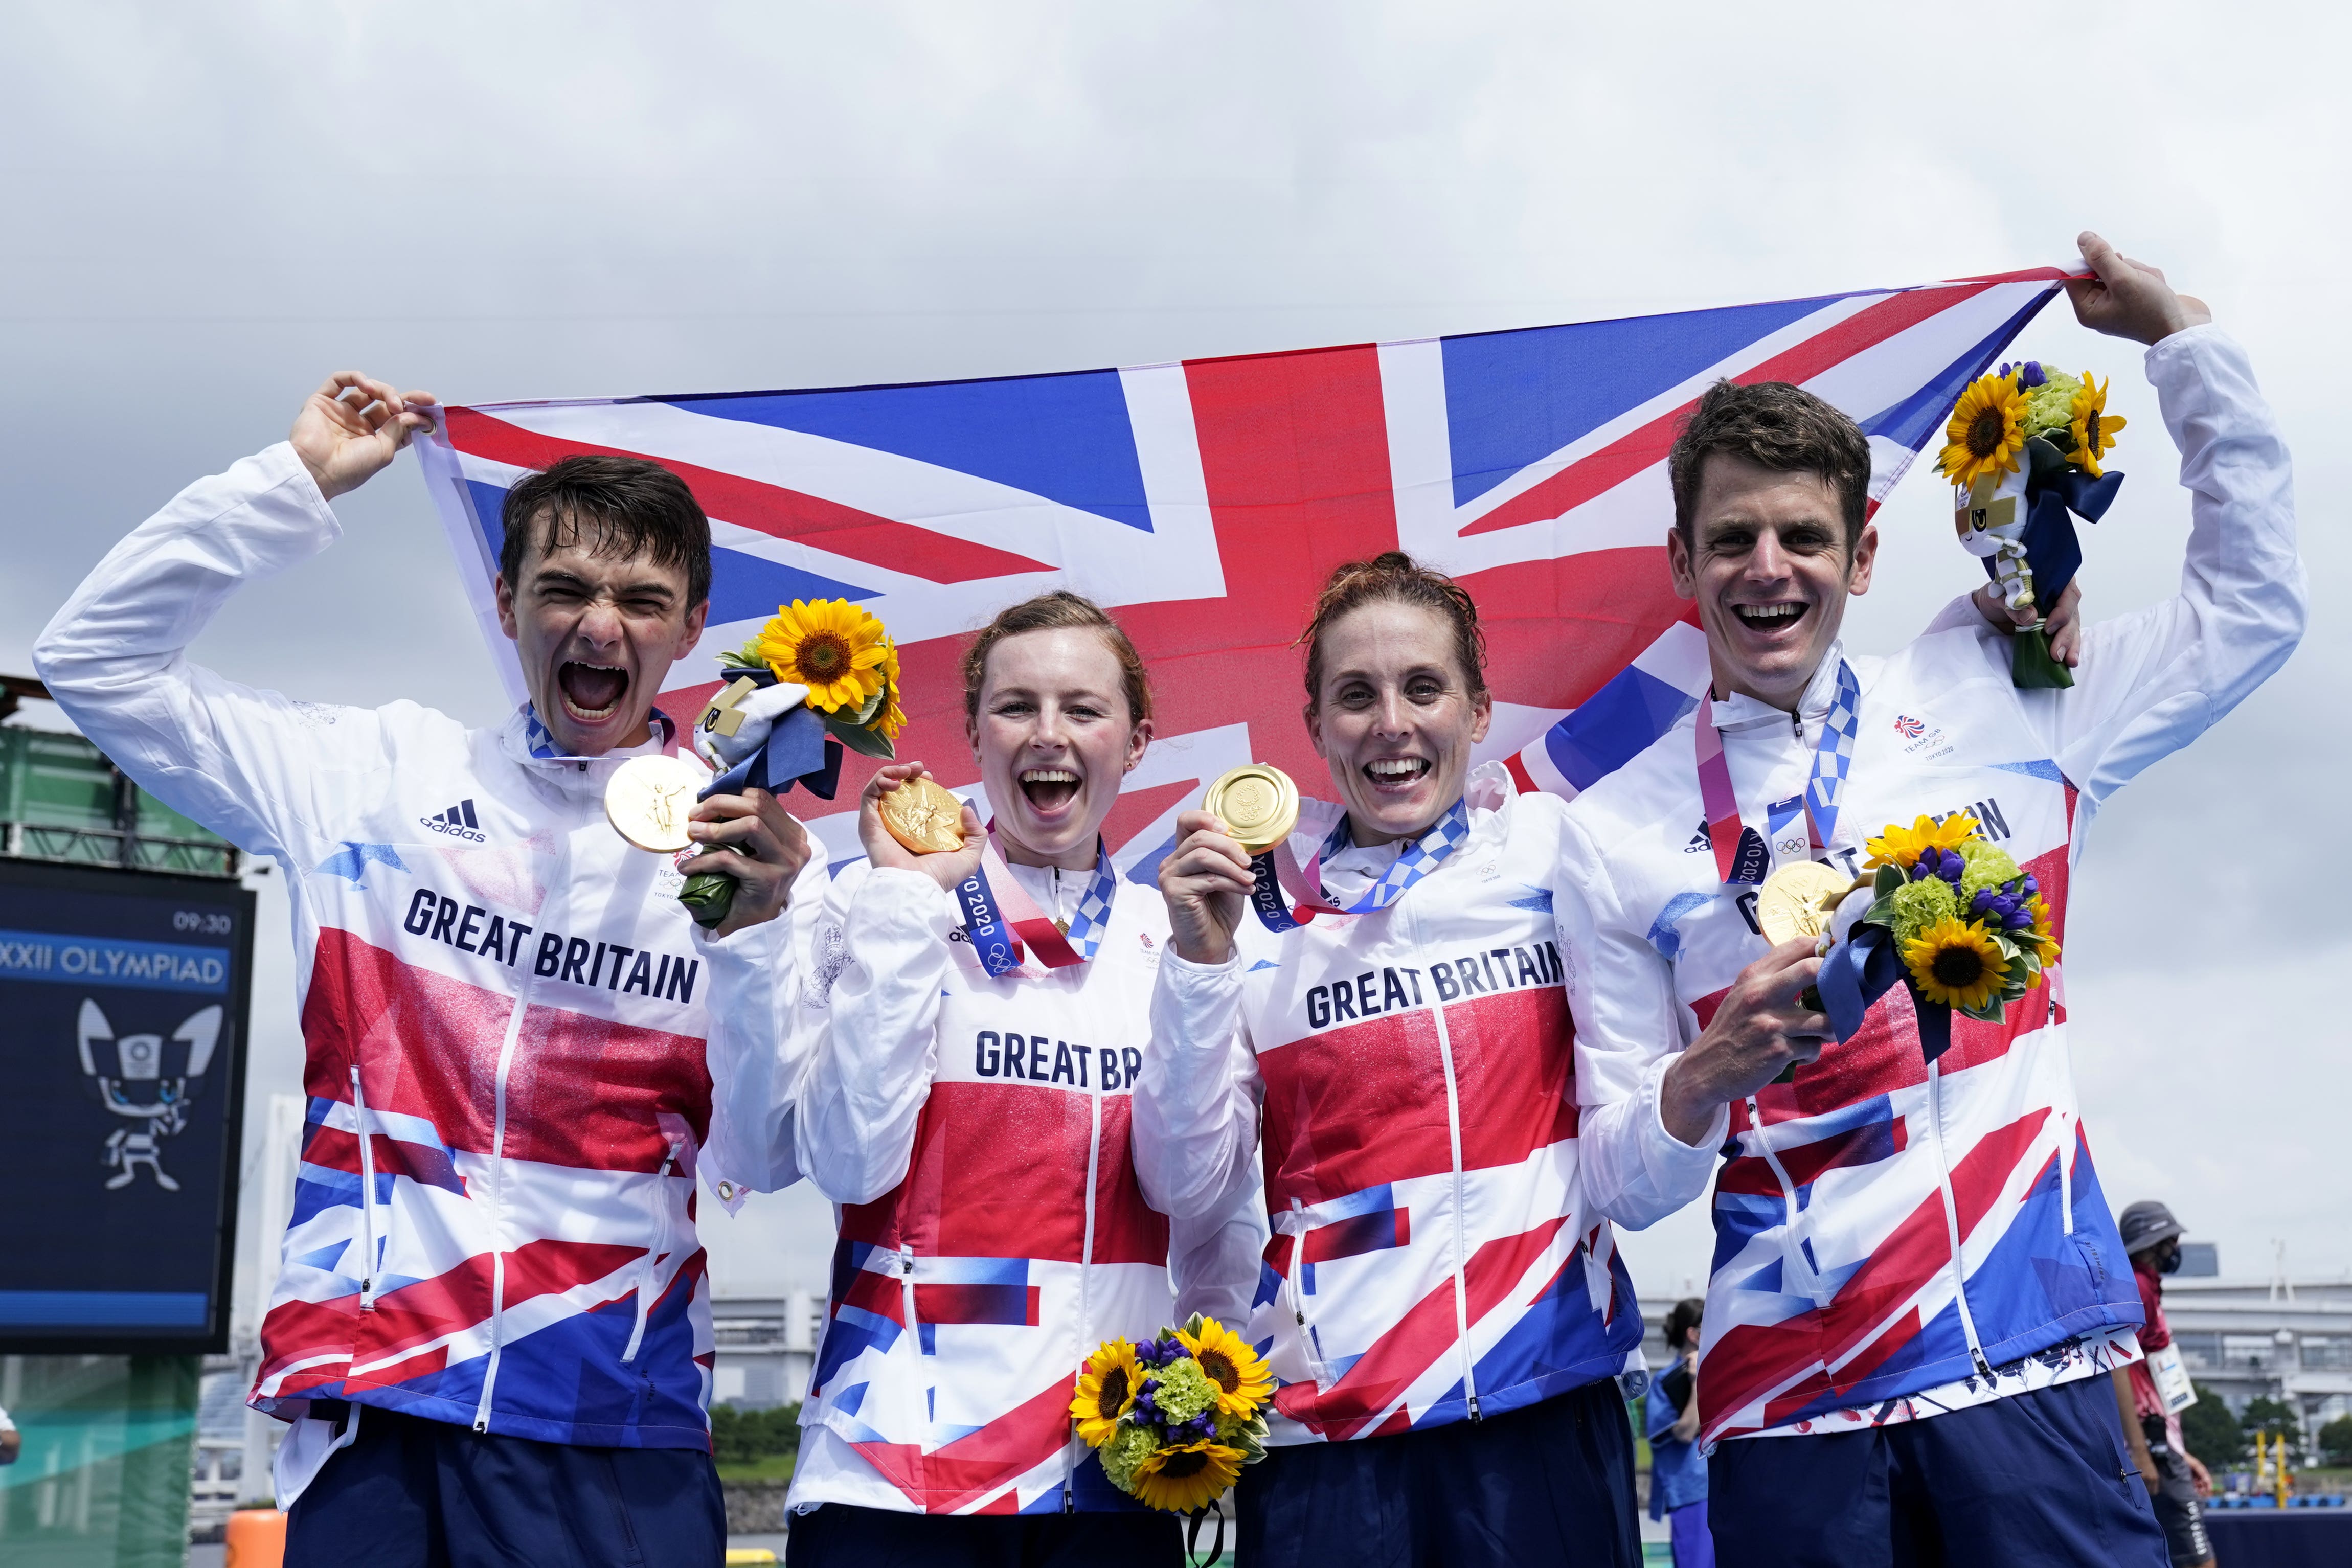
(1379, 985)
(974, 1021)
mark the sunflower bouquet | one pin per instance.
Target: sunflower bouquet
(1175, 1418)
(818, 678)
(844, 658)
(2023, 451)
(1972, 929)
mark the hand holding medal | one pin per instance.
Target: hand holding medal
(1209, 878)
(908, 820)
(819, 678)
(1799, 901)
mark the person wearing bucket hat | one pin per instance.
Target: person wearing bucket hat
(2151, 1392)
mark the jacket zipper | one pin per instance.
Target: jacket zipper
(1952, 1218)
(523, 990)
(1295, 1281)
(367, 1194)
(1453, 1135)
(2065, 1132)
(907, 1294)
(654, 1253)
(1086, 1274)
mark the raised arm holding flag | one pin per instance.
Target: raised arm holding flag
(1918, 1286)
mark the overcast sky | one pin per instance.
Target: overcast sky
(208, 208)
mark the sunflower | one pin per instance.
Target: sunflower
(2092, 426)
(1242, 1381)
(1986, 432)
(832, 647)
(1904, 846)
(2039, 933)
(1957, 964)
(1106, 1386)
(893, 718)
(1180, 1479)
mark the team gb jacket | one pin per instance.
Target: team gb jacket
(1896, 1237)
(973, 1134)
(1433, 1257)
(503, 1011)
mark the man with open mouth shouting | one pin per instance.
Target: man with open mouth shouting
(491, 1321)
(1918, 1293)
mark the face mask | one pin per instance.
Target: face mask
(2170, 1263)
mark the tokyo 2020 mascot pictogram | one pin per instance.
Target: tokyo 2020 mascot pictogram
(146, 1078)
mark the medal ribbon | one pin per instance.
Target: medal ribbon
(1002, 919)
(1740, 852)
(1278, 871)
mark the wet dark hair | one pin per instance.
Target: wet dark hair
(1049, 613)
(612, 507)
(1773, 425)
(1393, 577)
(1682, 1322)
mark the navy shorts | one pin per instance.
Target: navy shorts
(837, 1534)
(2036, 1480)
(1550, 1484)
(411, 1493)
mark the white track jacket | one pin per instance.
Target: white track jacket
(504, 1012)
(972, 1134)
(1433, 1257)
(1895, 1237)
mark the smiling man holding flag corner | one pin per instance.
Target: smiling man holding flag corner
(1917, 1288)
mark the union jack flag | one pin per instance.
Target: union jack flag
(1205, 502)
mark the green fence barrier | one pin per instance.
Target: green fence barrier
(109, 1446)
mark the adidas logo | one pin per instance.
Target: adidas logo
(457, 821)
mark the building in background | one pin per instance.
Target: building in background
(766, 1347)
(2286, 1339)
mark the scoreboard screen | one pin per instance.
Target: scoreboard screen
(122, 1047)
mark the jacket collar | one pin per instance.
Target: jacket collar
(1740, 711)
(1489, 790)
(526, 743)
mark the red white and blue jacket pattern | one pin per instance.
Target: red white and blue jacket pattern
(1891, 1235)
(973, 1132)
(503, 1008)
(1432, 1258)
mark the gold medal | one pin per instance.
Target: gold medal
(1799, 899)
(1257, 804)
(647, 801)
(924, 816)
